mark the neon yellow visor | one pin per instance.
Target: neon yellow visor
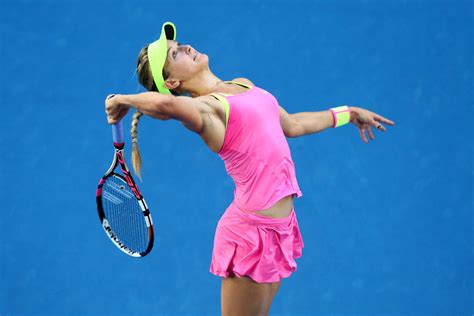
(157, 53)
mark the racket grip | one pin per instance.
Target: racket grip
(117, 132)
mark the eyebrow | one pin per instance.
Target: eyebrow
(168, 51)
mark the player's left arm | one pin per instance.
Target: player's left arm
(305, 123)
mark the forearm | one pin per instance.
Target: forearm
(312, 122)
(149, 103)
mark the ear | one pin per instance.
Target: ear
(172, 84)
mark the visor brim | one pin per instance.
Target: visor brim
(157, 54)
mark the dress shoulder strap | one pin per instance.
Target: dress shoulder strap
(225, 103)
(240, 84)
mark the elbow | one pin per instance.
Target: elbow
(295, 130)
(289, 133)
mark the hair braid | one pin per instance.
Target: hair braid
(136, 158)
(146, 80)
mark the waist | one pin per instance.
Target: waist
(280, 209)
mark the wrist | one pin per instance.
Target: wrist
(125, 100)
(341, 115)
(354, 113)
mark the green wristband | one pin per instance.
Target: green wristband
(341, 115)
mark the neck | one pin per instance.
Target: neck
(203, 83)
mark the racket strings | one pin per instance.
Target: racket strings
(124, 214)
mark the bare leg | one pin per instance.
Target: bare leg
(243, 296)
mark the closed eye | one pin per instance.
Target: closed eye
(175, 52)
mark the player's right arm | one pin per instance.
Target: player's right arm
(160, 106)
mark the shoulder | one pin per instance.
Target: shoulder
(210, 105)
(207, 100)
(244, 80)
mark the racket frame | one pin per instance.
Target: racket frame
(117, 135)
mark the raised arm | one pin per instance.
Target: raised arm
(160, 106)
(305, 123)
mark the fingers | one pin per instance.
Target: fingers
(116, 115)
(362, 135)
(366, 129)
(369, 131)
(368, 120)
(374, 122)
(378, 126)
(110, 120)
(383, 119)
(112, 110)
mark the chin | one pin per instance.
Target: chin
(204, 60)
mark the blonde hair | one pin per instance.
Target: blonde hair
(146, 80)
(136, 157)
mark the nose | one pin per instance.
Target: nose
(187, 49)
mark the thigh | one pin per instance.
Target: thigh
(243, 296)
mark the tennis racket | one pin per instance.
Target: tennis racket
(122, 209)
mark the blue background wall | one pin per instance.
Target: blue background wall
(387, 225)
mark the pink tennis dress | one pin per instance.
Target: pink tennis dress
(257, 157)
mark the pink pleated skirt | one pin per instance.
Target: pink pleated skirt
(259, 247)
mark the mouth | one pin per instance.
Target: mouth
(195, 56)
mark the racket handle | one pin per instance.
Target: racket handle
(117, 132)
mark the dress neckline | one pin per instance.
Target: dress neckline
(249, 89)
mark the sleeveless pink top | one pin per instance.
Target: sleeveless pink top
(255, 151)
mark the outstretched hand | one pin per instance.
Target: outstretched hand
(364, 119)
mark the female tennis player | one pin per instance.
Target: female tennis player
(257, 239)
